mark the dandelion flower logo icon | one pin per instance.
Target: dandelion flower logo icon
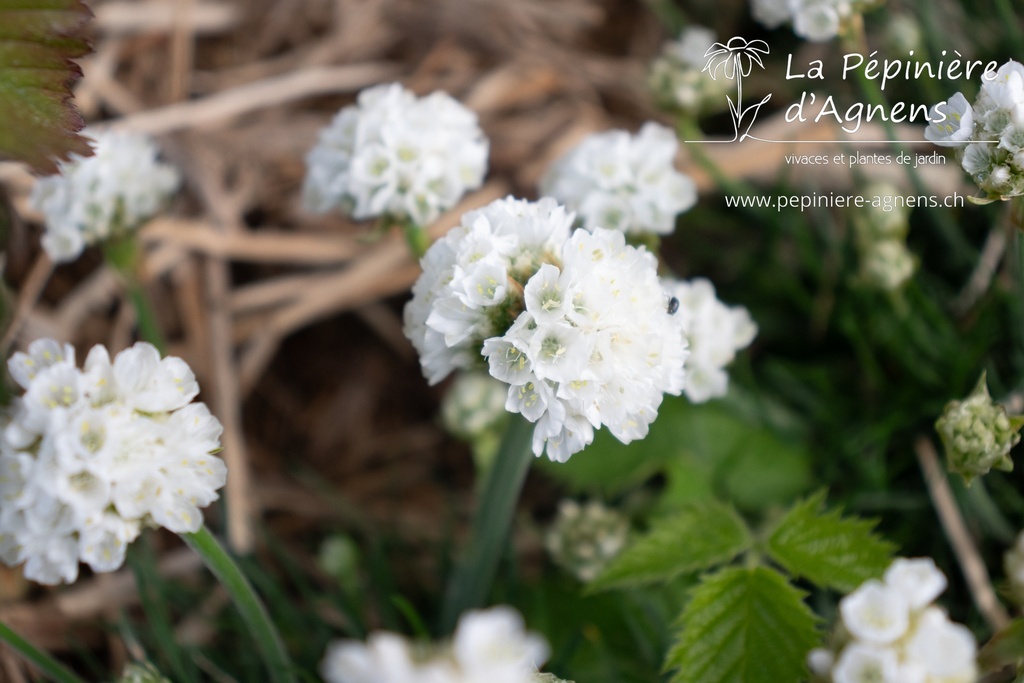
(736, 59)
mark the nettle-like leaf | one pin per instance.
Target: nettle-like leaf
(701, 536)
(829, 549)
(38, 40)
(1006, 647)
(744, 625)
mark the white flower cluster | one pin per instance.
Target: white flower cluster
(488, 645)
(93, 198)
(623, 182)
(584, 538)
(397, 155)
(816, 20)
(989, 136)
(678, 78)
(714, 333)
(89, 456)
(896, 635)
(577, 325)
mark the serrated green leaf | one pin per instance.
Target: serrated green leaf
(38, 39)
(831, 550)
(1005, 647)
(701, 536)
(744, 625)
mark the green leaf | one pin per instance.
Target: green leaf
(827, 548)
(1006, 647)
(700, 537)
(38, 39)
(765, 471)
(703, 450)
(744, 625)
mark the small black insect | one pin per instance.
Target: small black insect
(673, 306)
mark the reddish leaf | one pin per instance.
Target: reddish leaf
(38, 40)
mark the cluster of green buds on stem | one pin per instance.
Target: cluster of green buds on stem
(978, 434)
(585, 538)
(143, 672)
(880, 234)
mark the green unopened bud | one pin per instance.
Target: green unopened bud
(903, 34)
(880, 230)
(549, 678)
(677, 77)
(474, 405)
(142, 673)
(339, 557)
(978, 434)
(886, 265)
(584, 539)
(884, 216)
(474, 410)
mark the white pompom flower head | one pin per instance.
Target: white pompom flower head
(90, 456)
(575, 323)
(988, 136)
(394, 155)
(714, 333)
(623, 182)
(893, 633)
(490, 644)
(814, 20)
(106, 195)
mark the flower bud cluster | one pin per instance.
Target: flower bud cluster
(489, 645)
(142, 673)
(677, 76)
(988, 136)
(393, 154)
(978, 434)
(623, 182)
(93, 198)
(714, 333)
(474, 407)
(584, 538)
(576, 325)
(88, 457)
(816, 20)
(892, 633)
(880, 233)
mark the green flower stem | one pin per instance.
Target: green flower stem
(687, 129)
(122, 254)
(149, 329)
(53, 669)
(417, 239)
(469, 585)
(1009, 18)
(271, 648)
